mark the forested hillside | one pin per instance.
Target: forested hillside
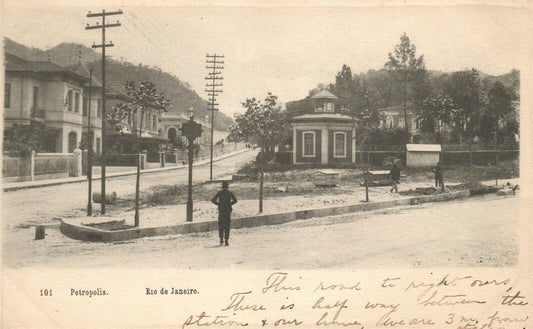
(180, 94)
(469, 105)
(384, 90)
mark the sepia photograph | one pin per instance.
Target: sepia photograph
(266, 164)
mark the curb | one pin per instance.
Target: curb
(36, 184)
(86, 233)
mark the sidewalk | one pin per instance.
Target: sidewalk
(205, 211)
(168, 220)
(69, 180)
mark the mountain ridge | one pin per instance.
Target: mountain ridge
(181, 95)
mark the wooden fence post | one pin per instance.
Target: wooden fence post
(84, 162)
(32, 165)
(471, 162)
(77, 157)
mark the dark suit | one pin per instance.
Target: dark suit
(394, 176)
(224, 199)
(439, 182)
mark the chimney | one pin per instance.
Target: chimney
(49, 56)
(79, 54)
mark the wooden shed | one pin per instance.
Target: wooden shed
(326, 177)
(423, 155)
(376, 178)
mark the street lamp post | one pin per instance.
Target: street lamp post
(191, 130)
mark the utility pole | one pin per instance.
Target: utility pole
(214, 63)
(192, 130)
(103, 14)
(89, 150)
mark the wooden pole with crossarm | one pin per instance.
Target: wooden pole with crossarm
(103, 27)
(214, 63)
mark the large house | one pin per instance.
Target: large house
(322, 135)
(58, 97)
(41, 91)
(92, 90)
(394, 117)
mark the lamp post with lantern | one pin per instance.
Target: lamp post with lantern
(191, 130)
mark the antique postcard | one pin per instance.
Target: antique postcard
(266, 164)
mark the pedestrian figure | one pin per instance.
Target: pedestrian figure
(224, 199)
(394, 175)
(439, 181)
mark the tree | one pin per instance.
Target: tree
(437, 107)
(263, 124)
(143, 97)
(403, 62)
(25, 138)
(500, 108)
(463, 87)
(344, 87)
(120, 112)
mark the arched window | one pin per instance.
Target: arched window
(172, 133)
(72, 141)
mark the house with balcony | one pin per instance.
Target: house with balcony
(323, 135)
(45, 93)
(92, 105)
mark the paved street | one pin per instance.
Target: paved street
(478, 231)
(45, 204)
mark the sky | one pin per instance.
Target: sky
(286, 50)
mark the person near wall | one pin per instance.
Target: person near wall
(224, 199)
(439, 181)
(394, 176)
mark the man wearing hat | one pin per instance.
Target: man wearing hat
(224, 199)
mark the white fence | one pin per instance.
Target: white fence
(39, 166)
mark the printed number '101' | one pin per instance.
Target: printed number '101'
(46, 292)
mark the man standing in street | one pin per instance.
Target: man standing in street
(394, 176)
(439, 182)
(224, 199)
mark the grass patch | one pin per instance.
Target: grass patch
(299, 181)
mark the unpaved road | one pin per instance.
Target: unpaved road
(46, 204)
(474, 232)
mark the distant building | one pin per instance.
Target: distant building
(321, 135)
(171, 124)
(122, 136)
(394, 117)
(40, 91)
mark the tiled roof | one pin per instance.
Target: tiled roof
(113, 93)
(324, 94)
(323, 116)
(172, 115)
(17, 64)
(410, 107)
(80, 69)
